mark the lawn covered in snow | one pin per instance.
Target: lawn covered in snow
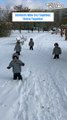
(42, 95)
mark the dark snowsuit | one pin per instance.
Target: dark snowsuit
(56, 51)
(16, 67)
(31, 44)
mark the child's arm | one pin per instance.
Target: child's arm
(33, 43)
(15, 48)
(53, 51)
(20, 48)
(21, 63)
(10, 65)
(60, 51)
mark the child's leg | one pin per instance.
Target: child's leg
(19, 76)
(54, 56)
(58, 56)
(15, 76)
(18, 53)
(31, 48)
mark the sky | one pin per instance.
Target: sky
(32, 3)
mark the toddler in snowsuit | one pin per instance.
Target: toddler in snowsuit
(18, 47)
(31, 44)
(56, 51)
(16, 64)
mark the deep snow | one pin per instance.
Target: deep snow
(42, 95)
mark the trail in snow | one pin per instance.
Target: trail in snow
(42, 94)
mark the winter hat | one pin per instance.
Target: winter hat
(31, 38)
(15, 55)
(18, 41)
(55, 44)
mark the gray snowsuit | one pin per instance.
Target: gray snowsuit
(56, 52)
(17, 48)
(31, 44)
(16, 65)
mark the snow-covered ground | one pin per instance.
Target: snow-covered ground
(42, 95)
